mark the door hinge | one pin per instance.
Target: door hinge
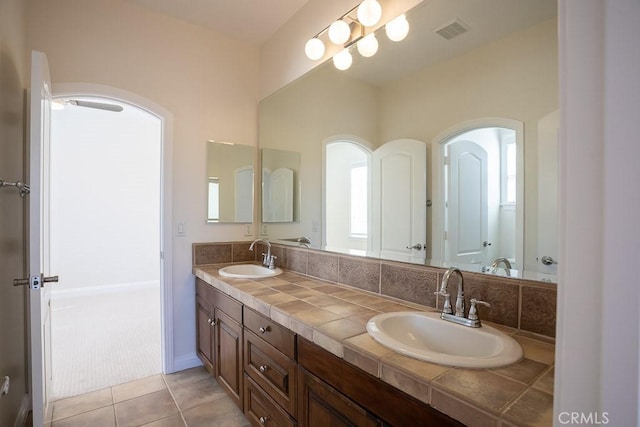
(445, 235)
(446, 160)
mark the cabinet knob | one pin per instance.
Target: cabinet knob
(209, 321)
(263, 420)
(213, 322)
(263, 368)
(264, 329)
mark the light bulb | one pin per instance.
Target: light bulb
(314, 49)
(368, 45)
(397, 29)
(342, 60)
(369, 12)
(339, 32)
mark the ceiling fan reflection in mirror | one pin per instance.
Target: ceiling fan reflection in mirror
(58, 104)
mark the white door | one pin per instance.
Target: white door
(548, 192)
(467, 207)
(399, 193)
(39, 294)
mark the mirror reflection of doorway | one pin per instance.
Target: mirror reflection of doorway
(375, 201)
(480, 196)
(347, 197)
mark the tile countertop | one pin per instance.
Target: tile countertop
(335, 316)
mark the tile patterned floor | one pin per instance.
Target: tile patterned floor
(190, 398)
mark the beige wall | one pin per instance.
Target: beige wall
(13, 80)
(208, 82)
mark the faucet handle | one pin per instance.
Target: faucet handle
(272, 262)
(473, 311)
(446, 307)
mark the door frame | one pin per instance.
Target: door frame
(61, 90)
(438, 190)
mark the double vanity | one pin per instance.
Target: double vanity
(293, 349)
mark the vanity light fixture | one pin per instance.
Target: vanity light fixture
(339, 32)
(398, 28)
(368, 45)
(350, 29)
(369, 12)
(343, 59)
(314, 49)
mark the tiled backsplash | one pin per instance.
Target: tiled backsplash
(522, 304)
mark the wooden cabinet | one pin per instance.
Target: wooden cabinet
(321, 405)
(261, 410)
(204, 333)
(271, 371)
(388, 405)
(282, 380)
(219, 338)
(228, 355)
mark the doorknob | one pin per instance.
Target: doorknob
(486, 243)
(35, 282)
(417, 247)
(547, 260)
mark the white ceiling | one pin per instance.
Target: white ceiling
(253, 21)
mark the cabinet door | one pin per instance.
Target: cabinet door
(320, 406)
(204, 334)
(228, 355)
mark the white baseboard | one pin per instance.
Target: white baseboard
(185, 362)
(58, 294)
(23, 412)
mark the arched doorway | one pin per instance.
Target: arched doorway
(111, 184)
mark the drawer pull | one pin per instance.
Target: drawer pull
(264, 329)
(263, 420)
(263, 368)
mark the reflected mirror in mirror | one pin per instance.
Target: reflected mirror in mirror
(280, 185)
(229, 182)
(427, 88)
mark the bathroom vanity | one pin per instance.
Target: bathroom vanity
(293, 350)
(287, 380)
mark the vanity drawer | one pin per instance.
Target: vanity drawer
(271, 370)
(204, 291)
(230, 306)
(276, 335)
(261, 409)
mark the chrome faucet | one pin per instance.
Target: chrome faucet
(458, 317)
(501, 260)
(268, 260)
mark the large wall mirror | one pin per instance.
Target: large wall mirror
(482, 106)
(229, 182)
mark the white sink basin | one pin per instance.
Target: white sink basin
(248, 271)
(426, 337)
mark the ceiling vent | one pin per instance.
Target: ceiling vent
(452, 29)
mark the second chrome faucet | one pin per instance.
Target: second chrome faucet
(447, 312)
(268, 260)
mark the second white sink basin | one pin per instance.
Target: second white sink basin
(426, 337)
(248, 271)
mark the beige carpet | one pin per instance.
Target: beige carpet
(103, 340)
